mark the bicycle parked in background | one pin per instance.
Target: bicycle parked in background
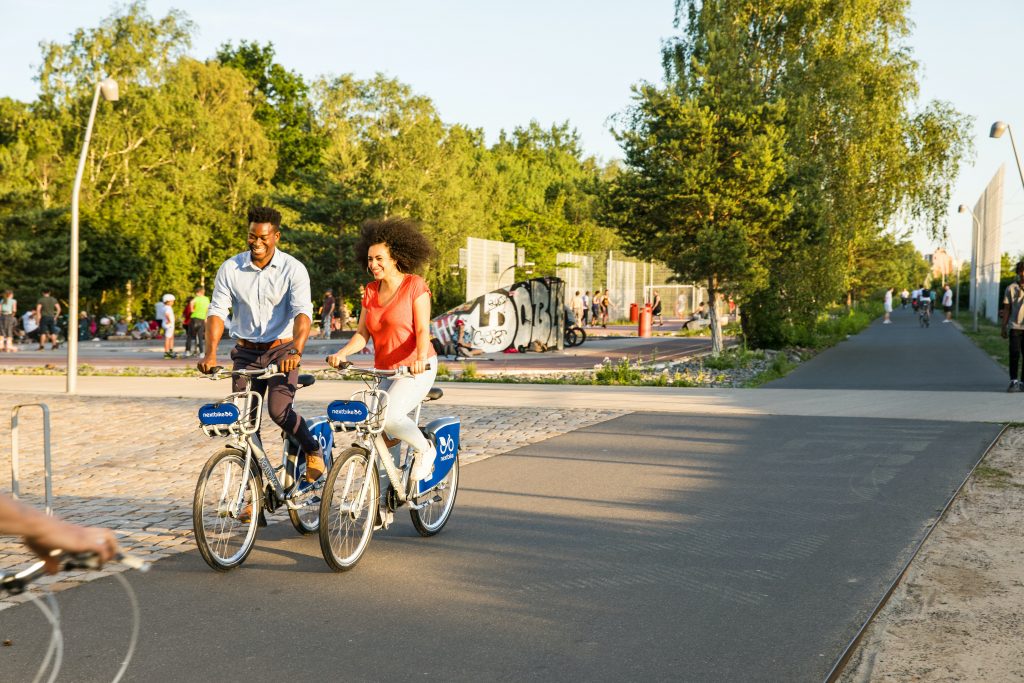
(352, 506)
(239, 483)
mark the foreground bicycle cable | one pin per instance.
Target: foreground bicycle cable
(15, 583)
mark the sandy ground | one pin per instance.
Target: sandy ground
(958, 615)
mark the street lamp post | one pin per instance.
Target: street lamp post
(974, 263)
(997, 132)
(108, 87)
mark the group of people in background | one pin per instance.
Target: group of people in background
(591, 310)
(38, 324)
(922, 298)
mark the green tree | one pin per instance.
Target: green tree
(705, 166)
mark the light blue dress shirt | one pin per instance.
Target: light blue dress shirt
(263, 302)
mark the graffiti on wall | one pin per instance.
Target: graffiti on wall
(516, 317)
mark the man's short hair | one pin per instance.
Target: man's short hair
(1019, 267)
(199, 289)
(46, 291)
(265, 214)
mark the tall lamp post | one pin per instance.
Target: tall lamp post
(997, 132)
(108, 87)
(974, 264)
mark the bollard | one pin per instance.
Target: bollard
(634, 315)
(48, 470)
(646, 316)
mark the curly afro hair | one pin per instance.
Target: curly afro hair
(265, 214)
(405, 241)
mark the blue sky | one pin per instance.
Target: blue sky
(497, 65)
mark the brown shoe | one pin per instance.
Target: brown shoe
(314, 466)
(245, 516)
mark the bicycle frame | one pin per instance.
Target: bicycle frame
(244, 436)
(370, 435)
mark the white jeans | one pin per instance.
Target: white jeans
(404, 394)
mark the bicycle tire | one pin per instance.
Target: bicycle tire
(214, 527)
(303, 522)
(581, 335)
(430, 520)
(345, 532)
(571, 338)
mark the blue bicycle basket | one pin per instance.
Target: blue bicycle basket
(218, 414)
(347, 411)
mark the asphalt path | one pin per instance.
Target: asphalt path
(705, 548)
(901, 356)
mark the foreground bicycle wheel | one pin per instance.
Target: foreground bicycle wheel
(432, 518)
(346, 517)
(223, 536)
(306, 520)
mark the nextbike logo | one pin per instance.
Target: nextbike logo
(446, 448)
(218, 414)
(223, 413)
(347, 411)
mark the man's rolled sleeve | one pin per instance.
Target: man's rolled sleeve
(300, 296)
(220, 299)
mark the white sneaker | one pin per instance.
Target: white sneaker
(424, 464)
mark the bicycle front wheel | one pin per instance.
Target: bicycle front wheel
(432, 518)
(350, 499)
(225, 510)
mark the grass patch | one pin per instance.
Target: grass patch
(780, 367)
(443, 370)
(469, 371)
(987, 338)
(735, 358)
(993, 476)
(618, 373)
(85, 370)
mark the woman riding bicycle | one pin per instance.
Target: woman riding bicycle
(396, 315)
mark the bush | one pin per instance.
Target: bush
(469, 371)
(617, 373)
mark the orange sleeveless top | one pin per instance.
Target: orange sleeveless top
(391, 324)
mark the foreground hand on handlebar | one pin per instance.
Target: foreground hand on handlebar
(70, 538)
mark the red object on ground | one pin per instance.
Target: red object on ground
(634, 313)
(644, 328)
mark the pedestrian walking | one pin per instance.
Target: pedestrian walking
(904, 297)
(1013, 324)
(47, 310)
(168, 326)
(595, 308)
(8, 321)
(887, 305)
(267, 292)
(606, 304)
(947, 303)
(197, 321)
(585, 319)
(577, 306)
(656, 309)
(186, 318)
(327, 314)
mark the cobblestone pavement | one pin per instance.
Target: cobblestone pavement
(131, 464)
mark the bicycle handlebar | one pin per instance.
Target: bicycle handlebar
(16, 582)
(348, 368)
(218, 372)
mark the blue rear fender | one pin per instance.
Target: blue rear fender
(444, 432)
(320, 429)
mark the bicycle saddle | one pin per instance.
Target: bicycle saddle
(434, 393)
(306, 380)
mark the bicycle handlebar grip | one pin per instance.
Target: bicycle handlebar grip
(215, 369)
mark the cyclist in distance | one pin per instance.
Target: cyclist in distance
(267, 292)
(396, 315)
(43, 534)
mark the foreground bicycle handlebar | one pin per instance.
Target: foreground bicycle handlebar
(219, 372)
(15, 583)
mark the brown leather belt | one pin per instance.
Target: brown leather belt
(262, 346)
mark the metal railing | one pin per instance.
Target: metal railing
(15, 465)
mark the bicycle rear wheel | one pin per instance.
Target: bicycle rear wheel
(346, 516)
(432, 518)
(224, 537)
(571, 339)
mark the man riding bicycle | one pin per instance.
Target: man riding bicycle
(268, 294)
